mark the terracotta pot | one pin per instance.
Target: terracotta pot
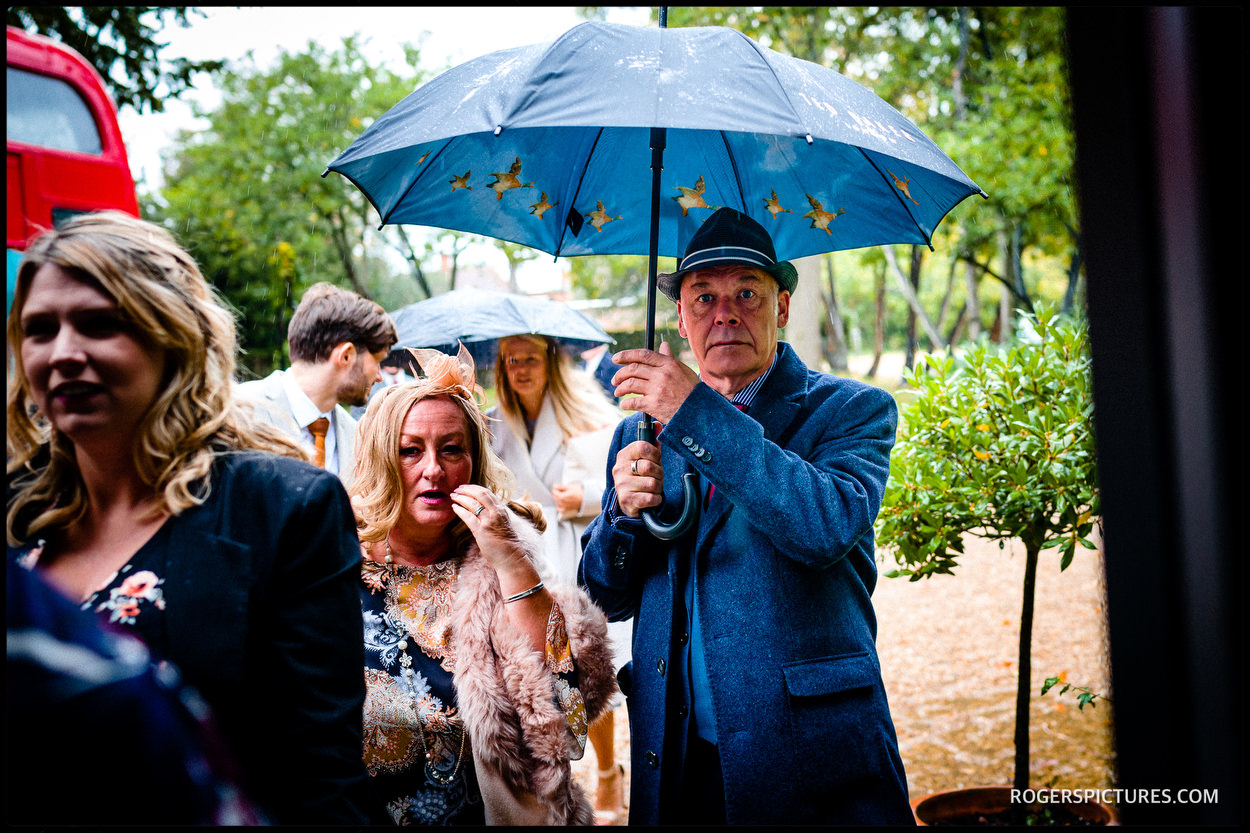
(947, 804)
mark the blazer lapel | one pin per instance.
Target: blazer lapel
(345, 443)
(209, 626)
(547, 440)
(780, 400)
(520, 460)
(775, 409)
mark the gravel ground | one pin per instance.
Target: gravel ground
(949, 656)
(948, 648)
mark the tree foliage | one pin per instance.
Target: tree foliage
(122, 43)
(998, 445)
(248, 198)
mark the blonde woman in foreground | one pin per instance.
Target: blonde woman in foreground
(140, 490)
(482, 678)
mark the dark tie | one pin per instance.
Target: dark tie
(711, 487)
(319, 427)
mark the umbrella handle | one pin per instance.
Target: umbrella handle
(646, 428)
(690, 498)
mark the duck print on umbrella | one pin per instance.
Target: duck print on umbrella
(539, 208)
(599, 217)
(819, 217)
(693, 197)
(507, 180)
(774, 205)
(903, 185)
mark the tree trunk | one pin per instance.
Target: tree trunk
(974, 301)
(878, 332)
(947, 297)
(913, 301)
(952, 336)
(1074, 273)
(338, 233)
(803, 329)
(835, 348)
(410, 255)
(1024, 685)
(1003, 326)
(1017, 267)
(913, 275)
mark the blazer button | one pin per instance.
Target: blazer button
(659, 666)
(653, 760)
(683, 712)
(687, 441)
(683, 639)
(706, 456)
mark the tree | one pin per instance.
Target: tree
(121, 43)
(998, 445)
(516, 255)
(248, 198)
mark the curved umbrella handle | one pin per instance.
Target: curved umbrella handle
(690, 498)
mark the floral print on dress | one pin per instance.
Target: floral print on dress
(568, 697)
(140, 589)
(30, 558)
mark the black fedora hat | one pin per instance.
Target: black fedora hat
(729, 237)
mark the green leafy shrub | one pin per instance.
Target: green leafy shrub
(998, 445)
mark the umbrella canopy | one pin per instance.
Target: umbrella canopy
(548, 145)
(479, 318)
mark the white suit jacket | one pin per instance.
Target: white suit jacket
(537, 468)
(276, 409)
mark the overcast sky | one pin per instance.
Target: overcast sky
(447, 36)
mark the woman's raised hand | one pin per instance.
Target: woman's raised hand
(490, 523)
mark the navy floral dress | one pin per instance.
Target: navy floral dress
(415, 745)
(133, 595)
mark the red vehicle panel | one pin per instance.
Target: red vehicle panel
(64, 146)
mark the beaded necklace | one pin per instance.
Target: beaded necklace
(405, 661)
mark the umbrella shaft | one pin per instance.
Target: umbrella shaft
(658, 140)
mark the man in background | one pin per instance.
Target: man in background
(337, 341)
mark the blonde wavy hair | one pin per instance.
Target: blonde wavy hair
(377, 491)
(194, 419)
(579, 405)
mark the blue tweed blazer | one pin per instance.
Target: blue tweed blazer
(786, 568)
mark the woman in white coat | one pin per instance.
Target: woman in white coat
(553, 428)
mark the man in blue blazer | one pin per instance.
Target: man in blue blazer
(755, 693)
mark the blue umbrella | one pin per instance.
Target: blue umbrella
(546, 146)
(478, 318)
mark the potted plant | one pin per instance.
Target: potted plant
(997, 444)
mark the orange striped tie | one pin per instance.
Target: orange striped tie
(319, 427)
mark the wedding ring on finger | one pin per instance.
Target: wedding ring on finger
(633, 467)
(478, 511)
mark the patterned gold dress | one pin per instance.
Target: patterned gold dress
(415, 744)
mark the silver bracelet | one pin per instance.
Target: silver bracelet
(524, 594)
